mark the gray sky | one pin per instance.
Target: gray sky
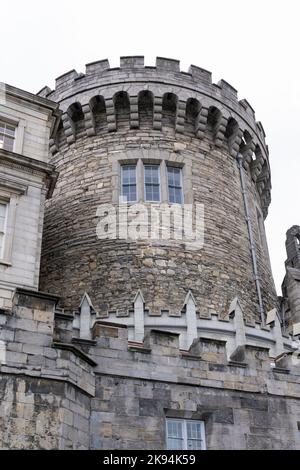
(252, 45)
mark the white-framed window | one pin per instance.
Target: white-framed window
(151, 180)
(128, 183)
(175, 189)
(7, 135)
(3, 222)
(152, 183)
(183, 434)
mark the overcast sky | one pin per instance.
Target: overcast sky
(252, 45)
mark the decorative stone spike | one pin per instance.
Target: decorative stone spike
(273, 321)
(87, 316)
(236, 349)
(139, 328)
(191, 320)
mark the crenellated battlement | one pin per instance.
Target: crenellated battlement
(189, 325)
(195, 107)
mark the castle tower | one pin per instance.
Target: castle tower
(156, 325)
(158, 136)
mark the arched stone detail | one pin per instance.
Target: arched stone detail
(122, 109)
(192, 115)
(169, 110)
(145, 108)
(98, 109)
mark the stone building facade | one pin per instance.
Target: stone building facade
(150, 341)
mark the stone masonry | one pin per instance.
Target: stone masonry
(116, 335)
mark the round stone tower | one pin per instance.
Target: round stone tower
(158, 136)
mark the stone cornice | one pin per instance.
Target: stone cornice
(30, 166)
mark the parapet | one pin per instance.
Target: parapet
(211, 110)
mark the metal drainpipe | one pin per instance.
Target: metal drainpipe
(250, 234)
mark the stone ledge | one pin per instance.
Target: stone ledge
(76, 351)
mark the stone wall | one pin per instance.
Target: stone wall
(87, 156)
(60, 391)
(26, 179)
(45, 389)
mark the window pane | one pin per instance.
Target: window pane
(152, 174)
(7, 135)
(174, 429)
(175, 444)
(175, 185)
(152, 183)
(175, 435)
(194, 435)
(194, 445)
(193, 430)
(129, 174)
(128, 183)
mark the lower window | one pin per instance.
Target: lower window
(185, 434)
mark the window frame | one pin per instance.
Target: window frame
(185, 439)
(158, 165)
(168, 165)
(122, 166)
(10, 193)
(8, 122)
(20, 126)
(137, 158)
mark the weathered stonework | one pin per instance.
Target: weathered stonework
(125, 334)
(156, 114)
